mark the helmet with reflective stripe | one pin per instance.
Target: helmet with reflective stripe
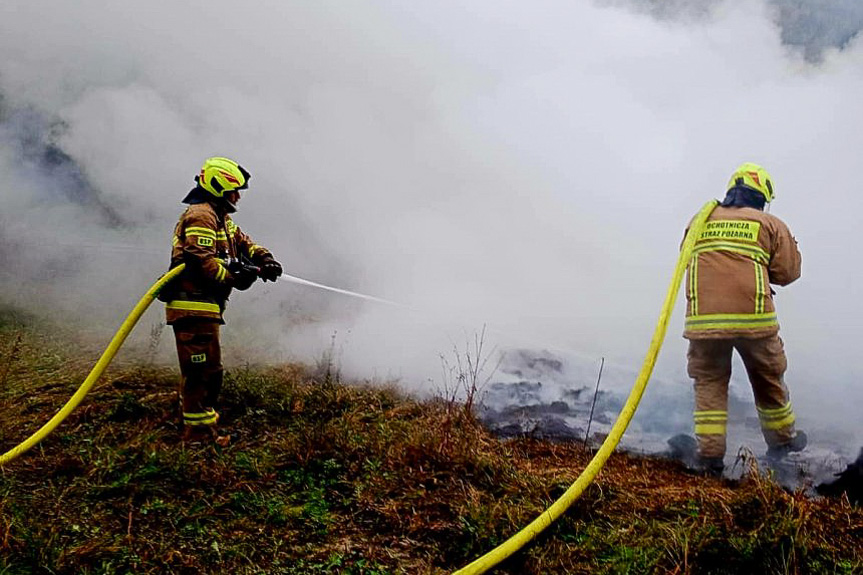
(753, 177)
(219, 175)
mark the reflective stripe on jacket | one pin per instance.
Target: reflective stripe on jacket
(205, 240)
(739, 254)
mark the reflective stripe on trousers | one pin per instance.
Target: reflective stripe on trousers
(200, 357)
(709, 365)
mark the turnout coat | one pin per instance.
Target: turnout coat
(739, 254)
(206, 240)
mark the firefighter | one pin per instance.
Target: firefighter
(218, 258)
(740, 253)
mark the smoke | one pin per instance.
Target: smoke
(811, 26)
(525, 166)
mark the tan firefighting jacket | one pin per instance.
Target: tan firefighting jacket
(739, 254)
(206, 240)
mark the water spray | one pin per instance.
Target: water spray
(301, 281)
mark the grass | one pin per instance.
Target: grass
(327, 477)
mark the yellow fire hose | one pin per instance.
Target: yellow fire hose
(523, 537)
(520, 539)
(97, 370)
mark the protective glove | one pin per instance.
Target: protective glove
(244, 276)
(271, 270)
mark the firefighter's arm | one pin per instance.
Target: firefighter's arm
(785, 262)
(199, 250)
(248, 248)
(686, 232)
(260, 256)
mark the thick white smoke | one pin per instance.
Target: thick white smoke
(530, 166)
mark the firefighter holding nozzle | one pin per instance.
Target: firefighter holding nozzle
(740, 253)
(219, 257)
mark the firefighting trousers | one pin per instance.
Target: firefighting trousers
(199, 352)
(709, 366)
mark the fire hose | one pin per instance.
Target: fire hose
(547, 517)
(98, 369)
(550, 515)
(117, 342)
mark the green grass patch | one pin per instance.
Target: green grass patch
(332, 477)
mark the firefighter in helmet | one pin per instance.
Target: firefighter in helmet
(219, 257)
(740, 253)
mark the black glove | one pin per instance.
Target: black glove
(244, 275)
(271, 270)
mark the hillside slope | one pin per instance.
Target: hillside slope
(328, 477)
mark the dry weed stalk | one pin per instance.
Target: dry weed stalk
(461, 392)
(465, 381)
(153, 343)
(328, 367)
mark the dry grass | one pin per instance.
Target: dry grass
(331, 478)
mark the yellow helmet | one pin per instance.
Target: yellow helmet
(753, 177)
(219, 175)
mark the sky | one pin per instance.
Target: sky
(524, 166)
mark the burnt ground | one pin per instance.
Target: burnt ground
(537, 395)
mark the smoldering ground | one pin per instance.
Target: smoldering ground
(529, 167)
(559, 398)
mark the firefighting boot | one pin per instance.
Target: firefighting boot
(710, 466)
(797, 443)
(222, 440)
(203, 434)
(684, 448)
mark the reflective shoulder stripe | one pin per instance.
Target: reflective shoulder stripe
(193, 306)
(221, 273)
(221, 236)
(175, 241)
(198, 231)
(253, 249)
(731, 321)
